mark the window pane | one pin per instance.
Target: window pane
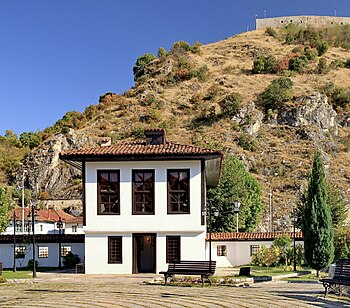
(178, 191)
(114, 249)
(108, 192)
(43, 252)
(143, 197)
(173, 248)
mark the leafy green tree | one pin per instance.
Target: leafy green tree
(141, 63)
(279, 91)
(338, 206)
(236, 184)
(283, 242)
(4, 208)
(162, 53)
(317, 220)
(342, 243)
(30, 139)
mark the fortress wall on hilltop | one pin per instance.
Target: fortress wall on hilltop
(277, 22)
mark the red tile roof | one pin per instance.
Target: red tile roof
(250, 236)
(47, 215)
(140, 149)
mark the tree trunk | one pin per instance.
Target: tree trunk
(318, 273)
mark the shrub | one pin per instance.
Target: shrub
(279, 91)
(298, 64)
(264, 64)
(321, 47)
(162, 53)
(335, 64)
(201, 73)
(310, 53)
(271, 32)
(248, 143)
(322, 66)
(338, 96)
(30, 264)
(231, 104)
(70, 260)
(141, 63)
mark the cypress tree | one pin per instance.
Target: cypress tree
(317, 220)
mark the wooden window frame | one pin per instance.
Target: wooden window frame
(254, 247)
(221, 250)
(43, 252)
(178, 191)
(118, 258)
(99, 202)
(65, 249)
(134, 171)
(169, 248)
(20, 251)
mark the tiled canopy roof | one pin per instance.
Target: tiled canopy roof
(140, 149)
(250, 236)
(47, 215)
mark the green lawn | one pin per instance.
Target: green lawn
(258, 271)
(19, 274)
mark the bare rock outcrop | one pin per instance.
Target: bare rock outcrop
(312, 111)
(48, 176)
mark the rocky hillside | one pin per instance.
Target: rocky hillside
(184, 92)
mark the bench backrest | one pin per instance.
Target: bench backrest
(342, 269)
(192, 266)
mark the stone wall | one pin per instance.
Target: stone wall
(277, 22)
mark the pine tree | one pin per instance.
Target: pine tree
(316, 219)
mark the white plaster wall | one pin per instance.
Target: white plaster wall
(68, 229)
(41, 227)
(96, 246)
(96, 252)
(161, 221)
(238, 253)
(6, 254)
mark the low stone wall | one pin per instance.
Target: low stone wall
(277, 22)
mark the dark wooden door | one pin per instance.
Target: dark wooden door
(144, 253)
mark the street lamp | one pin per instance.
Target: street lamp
(216, 214)
(33, 217)
(270, 203)
(24, 172)
(294, 219)
(14, 223)
(236, 209)
(59, 226)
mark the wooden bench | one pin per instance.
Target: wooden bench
(341, 277)
(203, 268)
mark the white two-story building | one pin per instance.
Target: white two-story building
(143, 203)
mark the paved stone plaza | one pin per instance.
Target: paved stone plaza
(78, 290)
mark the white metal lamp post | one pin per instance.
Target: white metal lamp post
(33, 217)
(216, 214)
(59, 226)
(24, 172)
(14, 222)
(294, 220)
(236, 209)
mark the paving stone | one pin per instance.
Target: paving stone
(128, 291)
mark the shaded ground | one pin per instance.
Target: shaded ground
(79, 290)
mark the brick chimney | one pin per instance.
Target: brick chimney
(155, 136)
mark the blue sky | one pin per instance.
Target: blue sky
(59, 56)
